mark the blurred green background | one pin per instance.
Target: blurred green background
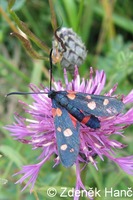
(106, 28)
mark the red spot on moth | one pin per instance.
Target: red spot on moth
(56, 112)
(67, 132)
(53, 112)
(88, 97)
(71, 95)
(59, 129)
(63, 147)
(105, 102)
(71, 150)
(85, 119)
(91, 105)
(74, 120)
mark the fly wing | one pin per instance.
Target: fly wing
(67, 134)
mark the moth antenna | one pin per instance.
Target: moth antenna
(23, 93)
(51, 69)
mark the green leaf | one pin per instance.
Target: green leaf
(18, 4)
(12, 154)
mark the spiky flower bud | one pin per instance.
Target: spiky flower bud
(68, 49)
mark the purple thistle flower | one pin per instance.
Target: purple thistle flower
(93, 143)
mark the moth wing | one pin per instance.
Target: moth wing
(67, 134)
(96, 105)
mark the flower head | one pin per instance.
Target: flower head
(39, 130)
